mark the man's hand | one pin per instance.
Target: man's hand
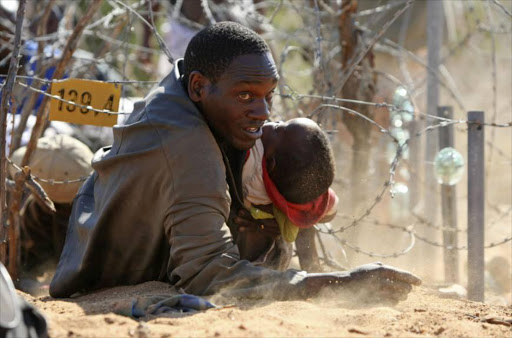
(246, 223)
(374, 283)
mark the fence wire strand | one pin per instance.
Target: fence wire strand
(312, 41)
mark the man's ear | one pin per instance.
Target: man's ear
(197, 86)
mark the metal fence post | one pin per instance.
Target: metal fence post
(476, 198)
(449, 206)
(415, 161)
(435, 22)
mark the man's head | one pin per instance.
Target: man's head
(299, 159)
(230, 74)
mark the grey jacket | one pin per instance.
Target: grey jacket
(156, 208)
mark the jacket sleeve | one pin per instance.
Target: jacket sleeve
(203, 258)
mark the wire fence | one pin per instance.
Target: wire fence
(329, 55)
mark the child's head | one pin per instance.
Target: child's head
(299, 159)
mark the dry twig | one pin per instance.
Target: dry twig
(67, 53)
(41, 31)
(6, 98)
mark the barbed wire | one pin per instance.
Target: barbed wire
(380, 9)
(429, 224)
(371, 43)
(491, 145)
(497, 3)
(494, 88)
(161, 42)
(49, 81)
(319, 11)
(343, 242)
(394, 164)
(393, 108)
(463, 247)
(445, 122)
(50, 181)
(58, 98)
(409, 230)
(122, 43)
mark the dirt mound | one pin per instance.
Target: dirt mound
(423, 314)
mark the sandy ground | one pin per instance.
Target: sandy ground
(423, 314)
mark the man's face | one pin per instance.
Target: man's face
(239, 103)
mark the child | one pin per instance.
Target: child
(287, 176)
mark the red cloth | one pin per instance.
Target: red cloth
(302, 215)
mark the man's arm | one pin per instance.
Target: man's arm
(203, 257)
(374, 282)
(204, 260)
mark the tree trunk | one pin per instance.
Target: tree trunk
(359, 86)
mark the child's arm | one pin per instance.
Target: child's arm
(328, 217)
(331, 213)
(306, 250)
(247, 222)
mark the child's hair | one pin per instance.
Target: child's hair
(304, 173)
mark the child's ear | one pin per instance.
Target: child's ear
(271, 164)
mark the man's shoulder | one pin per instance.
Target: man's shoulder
(170, 106)
(167, 120)
(166, 113)
(167, 105)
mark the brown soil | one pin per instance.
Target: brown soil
(423, 314)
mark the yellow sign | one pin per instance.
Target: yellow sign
(86, 94)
